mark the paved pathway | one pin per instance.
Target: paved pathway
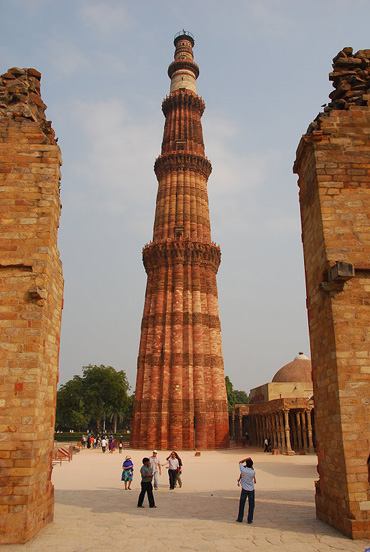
(93, 512)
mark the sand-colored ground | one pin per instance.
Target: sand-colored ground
(93, 512)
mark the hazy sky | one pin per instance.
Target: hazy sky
(264, 68)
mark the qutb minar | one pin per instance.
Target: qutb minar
(180, 396)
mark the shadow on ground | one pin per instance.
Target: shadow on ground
(288, 511)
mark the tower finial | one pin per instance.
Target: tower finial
(183, 72)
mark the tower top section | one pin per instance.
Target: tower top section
(183, 72)
(184, 34)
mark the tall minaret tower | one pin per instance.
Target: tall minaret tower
(180, 396)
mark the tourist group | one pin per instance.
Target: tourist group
(151, 468)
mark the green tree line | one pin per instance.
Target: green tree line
(94, 400)
(99, 398)
(234, 396)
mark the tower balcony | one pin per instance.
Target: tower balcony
(186, 35)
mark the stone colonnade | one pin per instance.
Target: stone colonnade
(287, 423)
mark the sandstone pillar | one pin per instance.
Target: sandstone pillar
(299, 429)
(252, 437)
(309, 430)
(304, 431)
(240, 427)
(282, 433)
(255, 434)
(264, 428)
(180, 385)
(287, 432)
(293, 429)
(257, 430)
(333, 165)
(30, 305)
(278, 431)
(232, 429)
(273, 429)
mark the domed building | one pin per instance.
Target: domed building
(299, 369)
(281, 411)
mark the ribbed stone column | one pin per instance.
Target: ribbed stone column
(260, 431)
(273, 428)
(299, 429)
(309, 428)
(304, 431)
(180, 396)
(232, 429)
(287, 432)
(282, 434)
(277, 429)
(253, 432)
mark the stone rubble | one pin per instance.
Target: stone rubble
(351, 80)
(20, 98)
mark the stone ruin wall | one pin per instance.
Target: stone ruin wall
(31, 290)
(333, 164)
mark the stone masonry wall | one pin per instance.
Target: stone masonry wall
(333, 164)
(31, 289)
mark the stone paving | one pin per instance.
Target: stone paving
(93, 511)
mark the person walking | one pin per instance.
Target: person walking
(156, 468)
(179, 472)
(173, 469)
(248, 480)
(146, 484)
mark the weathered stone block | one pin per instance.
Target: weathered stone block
(29, 312)
(338, 318)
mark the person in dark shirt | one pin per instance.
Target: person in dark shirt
(146, 484)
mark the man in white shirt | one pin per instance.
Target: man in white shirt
(156, 468)
(248, 479)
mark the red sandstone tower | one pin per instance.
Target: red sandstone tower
(180, 396)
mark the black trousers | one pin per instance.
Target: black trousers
(243, 497)
(172, 474)
(146, 487)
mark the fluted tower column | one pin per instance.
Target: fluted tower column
(180, 396)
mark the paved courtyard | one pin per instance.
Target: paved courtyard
(93, 512)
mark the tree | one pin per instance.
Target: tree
(71, 412)
(230, 393)
(241, 397)
(234, 396)
(122, 414)
(100, 394)
(105, 393)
